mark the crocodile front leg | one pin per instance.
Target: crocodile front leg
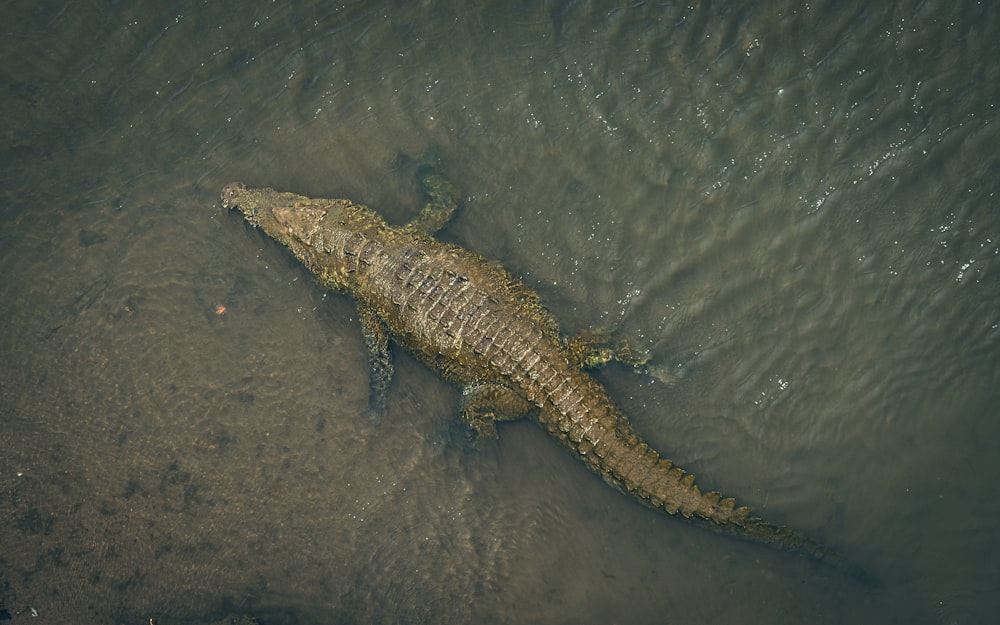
(443, 201)
(380, 358)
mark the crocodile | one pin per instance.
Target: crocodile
(488, 333)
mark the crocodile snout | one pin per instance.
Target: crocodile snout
(230, 192)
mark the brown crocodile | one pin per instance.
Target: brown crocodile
(485, 331)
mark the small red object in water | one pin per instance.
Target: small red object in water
(220, 309)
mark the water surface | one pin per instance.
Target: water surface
(792, 207)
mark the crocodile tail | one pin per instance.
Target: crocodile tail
(787, 539)
(659, 483)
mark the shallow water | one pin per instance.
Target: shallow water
(793, 208)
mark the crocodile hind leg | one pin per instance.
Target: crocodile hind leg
(596, 348)
(380, 359)
(443, 200)
(485, 404)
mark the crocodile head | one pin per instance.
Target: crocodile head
(308, 227)
(288, 218)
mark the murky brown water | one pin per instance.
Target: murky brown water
(794, 208)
